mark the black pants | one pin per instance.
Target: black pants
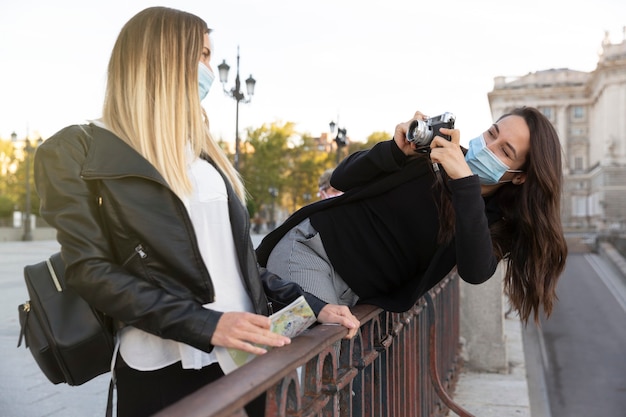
(143, 393)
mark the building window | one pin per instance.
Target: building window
(578, 163)
(579, 206)
(578, 112)
(547, 111)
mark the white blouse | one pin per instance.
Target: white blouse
(208, 209)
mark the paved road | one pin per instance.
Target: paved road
(585, 341)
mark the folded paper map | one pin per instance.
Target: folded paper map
(290, 321)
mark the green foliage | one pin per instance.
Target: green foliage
(308, 163)
(262, 168)
(376, 137)
(6, 206)
(276, 156)
(13, 166)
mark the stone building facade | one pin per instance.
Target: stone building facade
(588, 110)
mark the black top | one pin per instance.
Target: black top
(376, 243)
(381, 235)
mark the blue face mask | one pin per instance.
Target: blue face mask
(205, 79)
(485, 163)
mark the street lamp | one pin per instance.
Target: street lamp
(340, 139)
(236, 94)
(28, 148)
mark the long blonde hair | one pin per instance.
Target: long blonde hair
(152, 100)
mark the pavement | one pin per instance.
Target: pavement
(504, 394)
(25, 391)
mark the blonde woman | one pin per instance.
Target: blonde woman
(151, 220)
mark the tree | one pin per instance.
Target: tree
(307, 164)
(13, 166)
(274, 156)
(263, 168)
(7, 206)
(372, 140)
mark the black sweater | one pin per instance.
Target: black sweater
(381, 235)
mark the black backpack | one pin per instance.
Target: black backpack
(70, 341)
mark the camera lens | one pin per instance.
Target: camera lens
(419, 133)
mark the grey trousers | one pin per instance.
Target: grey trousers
(300, 257)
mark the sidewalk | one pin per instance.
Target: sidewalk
(500, 394)
(24, 390)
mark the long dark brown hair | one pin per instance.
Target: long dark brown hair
(530, 235)
(531, 232)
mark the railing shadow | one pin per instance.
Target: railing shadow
(382, 372)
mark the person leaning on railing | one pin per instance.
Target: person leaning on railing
(152, 223)
(407, 218)
(325, 190)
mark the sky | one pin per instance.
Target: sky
(366, 65)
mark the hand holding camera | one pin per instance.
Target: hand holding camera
(400, 135)
(447, 153)
(437, 136)
(422, 132)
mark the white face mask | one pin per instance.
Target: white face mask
(205, 80)
(485, 163)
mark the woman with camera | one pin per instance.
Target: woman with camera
(407, 218)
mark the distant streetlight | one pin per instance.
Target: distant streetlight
(28, 148)
(341, 139)
(236, 94)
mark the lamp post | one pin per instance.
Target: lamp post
(236, 94)
(28, 149)
(340, 139)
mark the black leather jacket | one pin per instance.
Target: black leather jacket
(128, 243)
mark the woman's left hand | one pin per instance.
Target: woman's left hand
(336, 314)
(449, 154)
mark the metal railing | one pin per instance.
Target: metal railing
(383, 372)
